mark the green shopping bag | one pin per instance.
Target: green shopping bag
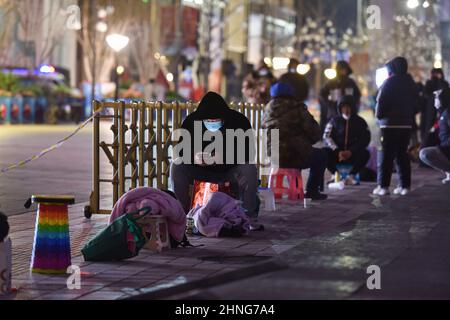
(121, 240)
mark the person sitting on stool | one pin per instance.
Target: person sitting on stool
(212, 156)
(347, 137)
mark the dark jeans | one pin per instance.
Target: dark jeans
(317, 163)
(394, 144)
(357, 160)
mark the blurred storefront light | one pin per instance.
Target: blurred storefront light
(102, 26)
(303, 69)
(381, 76)
(280, 63)
(330, 73)
(412, 4)
(169, 77)
(117, 42)
(120, 70)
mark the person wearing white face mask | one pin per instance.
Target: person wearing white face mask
(439, 157)
(256, 85)
(347, 136)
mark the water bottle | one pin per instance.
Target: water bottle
(190, 225)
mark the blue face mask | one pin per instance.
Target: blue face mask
(213, 126)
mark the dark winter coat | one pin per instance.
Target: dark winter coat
(256, 88)
(398, 97)
(429, 112)
(213, 106)
(444, 122)
(340, 86)
(444, 132)
(299, 83)
(347, 135)
(298, 131)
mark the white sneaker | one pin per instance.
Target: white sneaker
(401, 191)
(379, 191)
(447, 180)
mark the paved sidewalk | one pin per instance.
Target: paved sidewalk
(319, 252)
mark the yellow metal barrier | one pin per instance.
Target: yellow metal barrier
(141, 146)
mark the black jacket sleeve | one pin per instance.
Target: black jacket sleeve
(444, 130)
(383, 101)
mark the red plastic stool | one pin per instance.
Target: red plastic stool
(294, 191)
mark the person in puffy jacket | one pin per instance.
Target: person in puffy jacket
(298, 132)
(396, 105)
(348, 137)
(439, 157)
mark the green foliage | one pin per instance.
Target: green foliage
(33, 90)
(62, 89)
(9, 83)
(125, 84)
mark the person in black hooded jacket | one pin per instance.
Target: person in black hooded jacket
(428, 117)
(297, 81)
(212, 155)
(347, 136)
(439, 157)
(396, 105)
(334, 90)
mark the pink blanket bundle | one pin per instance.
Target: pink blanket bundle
(161, 204)
(220, 211)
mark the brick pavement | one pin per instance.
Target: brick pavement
(291, 226)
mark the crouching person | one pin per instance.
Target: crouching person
(348, 136)
(5, 256)
(298, 132)
(216, 145)
(439, 157)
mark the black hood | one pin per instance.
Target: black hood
(345, 66)
(212, 106)
(398, 66)
(350, 101)
(439, 71)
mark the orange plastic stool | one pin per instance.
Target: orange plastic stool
(294, 191)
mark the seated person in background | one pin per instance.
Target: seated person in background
(298, 132)
(5, 256)
(348, 136)
(217, 159)
(439, 157)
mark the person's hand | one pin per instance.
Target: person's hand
(200, 159)
(204, 159)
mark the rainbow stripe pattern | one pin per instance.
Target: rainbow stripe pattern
(51, 248)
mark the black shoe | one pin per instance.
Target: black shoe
(316, 196)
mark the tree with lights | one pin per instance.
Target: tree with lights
(34, 27)
(409, 37)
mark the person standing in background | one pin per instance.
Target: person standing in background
(297, 81)
(334, 90)
(256, 86)
(396, 105)
(429, 115)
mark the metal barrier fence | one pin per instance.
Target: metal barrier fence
(140, 150)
